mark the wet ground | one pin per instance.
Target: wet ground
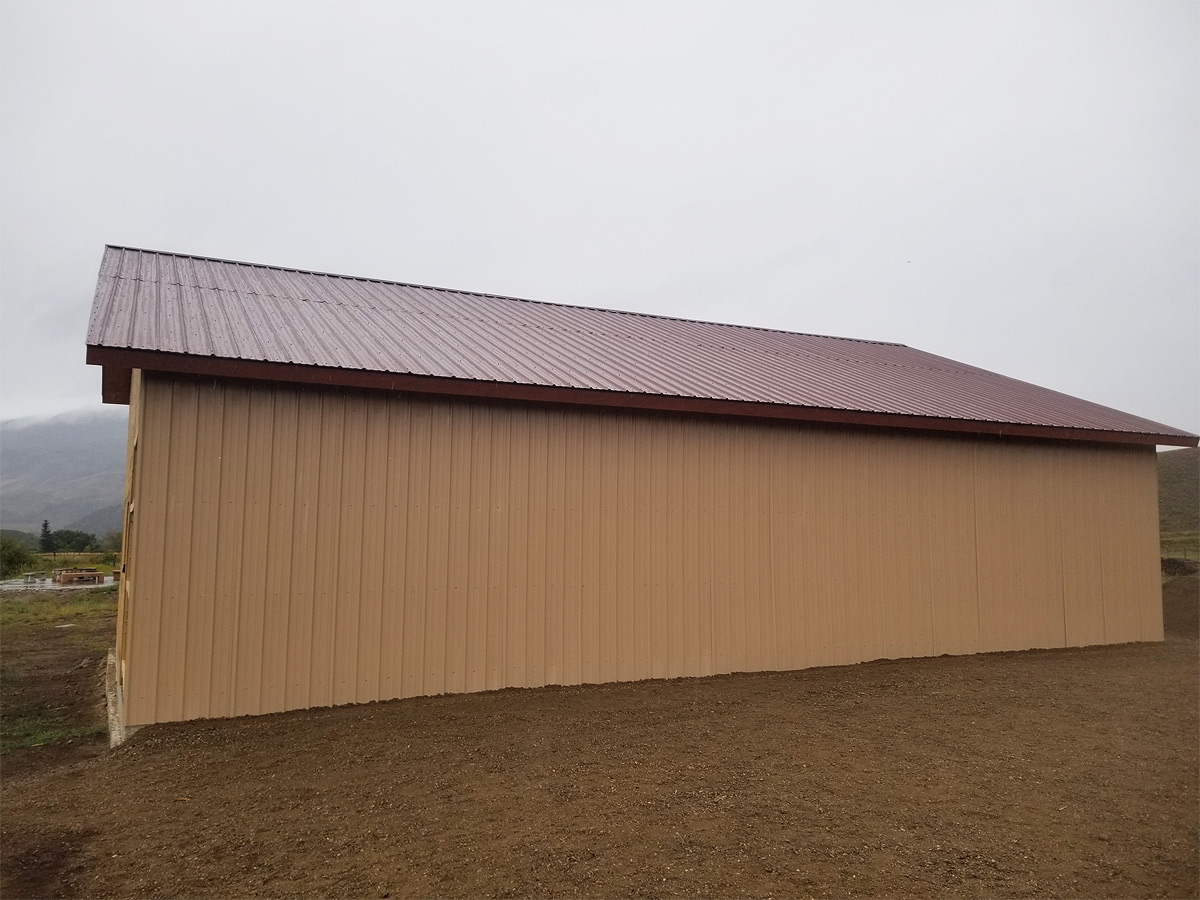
(45, 584)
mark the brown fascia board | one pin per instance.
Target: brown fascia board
(119, 363)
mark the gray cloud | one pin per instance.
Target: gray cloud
(1012, 185)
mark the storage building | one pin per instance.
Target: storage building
(344, 489)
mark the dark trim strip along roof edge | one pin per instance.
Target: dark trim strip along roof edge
(119, 363)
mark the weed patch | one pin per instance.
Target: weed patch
(1180, 544)
(52, 608)
(39, 731)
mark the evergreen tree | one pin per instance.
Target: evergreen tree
(46, 542)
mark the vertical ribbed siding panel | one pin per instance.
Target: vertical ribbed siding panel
(459, 577)
(416, 458)
(704, 549)
(535, 539)
(739, 540)
(589, 550)
(132, 490)
(1081, 526)
(571, 525)
(556, 546)
(301, 601)
(376, 564)
(856, 576)
(348, 614)
(140, 623)
(234, 403)
(280, 549)
(897, 613)
(176, 580)
(330, 434)
(627, 534)
(879, 613)
(691, 511)
(1020, 553)
(473, 557)
(643, 525)
(752, 599)
(671, 561)
(827, 555)
(256, 510)
(205, 569)
(946, 483)
(720, 553)
(606, 557)
(1143, 536)
(500, 514)
(392, 643)
(810, 631)
(1126, 546)
(294, 548)
(788, 607)
(516, 551)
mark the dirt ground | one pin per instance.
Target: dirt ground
(52, 677)
(1066, 773)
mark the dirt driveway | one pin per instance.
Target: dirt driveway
(1047, 773)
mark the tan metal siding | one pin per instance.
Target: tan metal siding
(296, 547)
(132, 474)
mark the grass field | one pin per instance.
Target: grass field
(1181, 544)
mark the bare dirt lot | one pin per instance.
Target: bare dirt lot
(1047, 773)
(52, 677)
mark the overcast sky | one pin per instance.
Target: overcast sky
(1016, 186)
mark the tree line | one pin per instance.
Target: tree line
(15, 557)
(66, 540)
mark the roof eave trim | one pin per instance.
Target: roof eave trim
(119, 362)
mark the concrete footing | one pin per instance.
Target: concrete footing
(118, 731)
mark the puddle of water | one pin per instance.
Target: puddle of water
(18, 584)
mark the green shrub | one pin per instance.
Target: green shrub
(14, 559)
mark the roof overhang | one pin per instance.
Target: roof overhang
(118, 365)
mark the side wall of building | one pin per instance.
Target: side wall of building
(294, 547)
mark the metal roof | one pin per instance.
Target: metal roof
(170, 303)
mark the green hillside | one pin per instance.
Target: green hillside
(24, 538)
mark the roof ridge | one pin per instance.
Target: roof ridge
(430, 287)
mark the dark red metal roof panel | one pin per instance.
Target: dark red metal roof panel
(172, 303)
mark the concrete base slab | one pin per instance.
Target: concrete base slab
(118, 731)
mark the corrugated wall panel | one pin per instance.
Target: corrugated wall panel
(131, 462)
(205, 560)
(145, 558)
(296, 547)
(1144, 542)
(1083, 617)
(390, 547)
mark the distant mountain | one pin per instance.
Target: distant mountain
(69, 470)
(101, 521)
(26, 539)
(1179, 490)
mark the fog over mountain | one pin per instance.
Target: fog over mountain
(69, 469)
